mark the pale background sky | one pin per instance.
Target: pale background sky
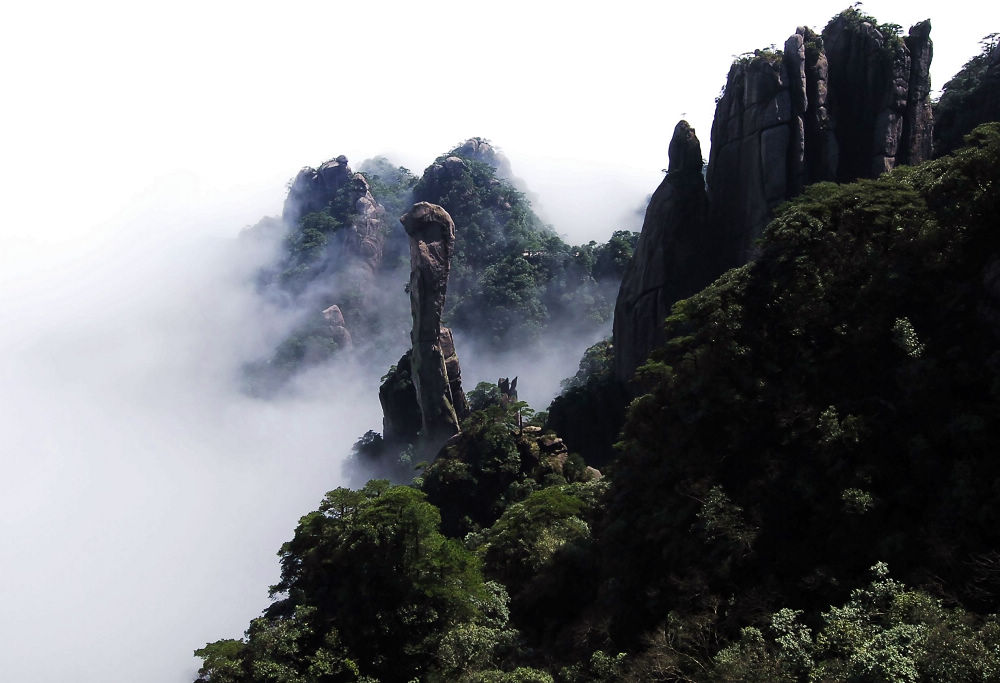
(142, 500)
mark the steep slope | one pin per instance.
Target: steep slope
(826, 409)
(830, 405)
(850, 103)
(512, 281)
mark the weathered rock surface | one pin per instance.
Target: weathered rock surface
(674, 258)
(755, 155)
(454, 370)
(401, 419)
(333, 184)
(918, 125)
(337, 327)
(432, 241)
(879, 95)
(852, 103)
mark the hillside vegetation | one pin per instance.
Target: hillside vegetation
(805, 489)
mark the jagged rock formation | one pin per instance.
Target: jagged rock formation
(879, 95)
(454, 371)
(333, 188)
(401, 415)
(478, 149)
(432, 240)
(850, 103)
(401, 420)
(673, 259)
(337, 327)
(970, 98)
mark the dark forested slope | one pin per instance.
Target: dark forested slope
(805, 487)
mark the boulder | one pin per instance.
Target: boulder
(337, 327)
(401, 418)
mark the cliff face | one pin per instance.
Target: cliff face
(432, 241)
(673, 258)
(851, 103)
(879, 95)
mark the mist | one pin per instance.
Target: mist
(144, 494)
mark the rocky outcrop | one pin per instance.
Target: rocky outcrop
(879, 95)
(850, 103)
(337, 327)
(401, 420)
(401, 415)
(314, 188)
(432, 241)
(333, 188)
(757, 150)
(918, 124)
(479, 149)
(673, 259)
(454, 372)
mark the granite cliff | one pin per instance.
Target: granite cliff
(851, 102)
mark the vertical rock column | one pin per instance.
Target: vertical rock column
(432, 241)
(918, 126)
(676, 255)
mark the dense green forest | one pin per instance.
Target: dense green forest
(807, 489)
(805, 485)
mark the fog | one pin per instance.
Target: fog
(143, 495)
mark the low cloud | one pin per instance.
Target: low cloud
(144, 495)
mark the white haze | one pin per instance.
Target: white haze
(143, 496)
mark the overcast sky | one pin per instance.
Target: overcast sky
(143, 498)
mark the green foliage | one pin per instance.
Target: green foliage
(528, 534)
(891, 33)
(884, 632)
(220, 661)
(852, 369)
(965, 99)
(368, 587)
(611, 258)
(485, 395)
(601, 668)
(488, 466)
(511, 277)
(589, 412)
